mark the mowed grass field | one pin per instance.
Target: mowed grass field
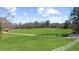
(74, 48)
(45, 39)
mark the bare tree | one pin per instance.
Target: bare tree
(4, 15)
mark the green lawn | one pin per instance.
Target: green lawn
(43, 31)
(74, 48)
(11, 42)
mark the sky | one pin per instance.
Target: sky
(40, 14)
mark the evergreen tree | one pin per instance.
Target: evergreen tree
(47, 23)
(75, 19)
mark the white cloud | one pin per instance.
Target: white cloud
(41, 10)
(11, 9)
(25, 14)
(13, 14)
(59, 19)
(53, 11)
(7, 8)
(47, 11)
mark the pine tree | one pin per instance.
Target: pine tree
(75, 19)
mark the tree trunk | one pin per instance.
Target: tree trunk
(0, 29)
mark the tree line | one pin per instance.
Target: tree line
(36, 24)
